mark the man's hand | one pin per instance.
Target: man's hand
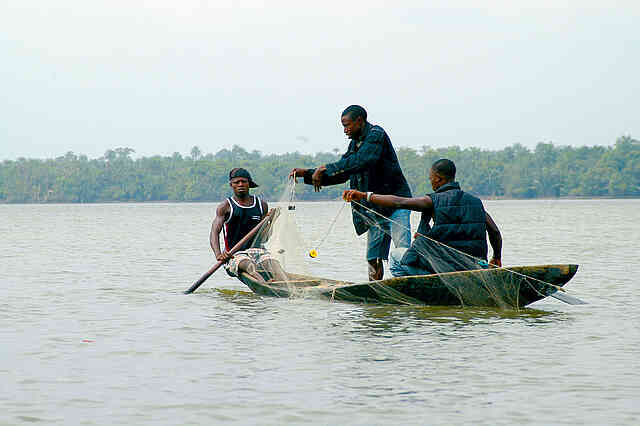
(224, 257)
(352, 195)
(296, 173)
(316, 178)
(495, 263)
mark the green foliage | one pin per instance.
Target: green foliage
(514, 172)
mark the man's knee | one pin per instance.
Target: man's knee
(272, 269)
(246, 265)
(396, 254)
(395, 261)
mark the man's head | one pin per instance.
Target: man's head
(442, 172)
(353, 120)
(240, 181)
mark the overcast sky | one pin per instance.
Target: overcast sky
(162, 76)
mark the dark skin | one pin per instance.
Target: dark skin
(353, 129)
(425, 205)
(240, 187)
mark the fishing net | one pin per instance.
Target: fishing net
(459, 278)
(287, 274)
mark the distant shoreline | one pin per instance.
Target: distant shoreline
(574, 198)
(515, 172)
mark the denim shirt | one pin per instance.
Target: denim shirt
(370, 164)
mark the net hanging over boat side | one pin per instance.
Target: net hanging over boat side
(286, 273)
(284, 247)
(485, 288)
(280, 236)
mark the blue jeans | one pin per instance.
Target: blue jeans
(399, 269)
(379, 236)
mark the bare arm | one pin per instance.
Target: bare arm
(222, 213)
(418, 204)
(495, 239)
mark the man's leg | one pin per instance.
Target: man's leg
(249, 267)
(376, 269)
(395, 262)
(399, 269)
(273, 269)
(267, 266)
(378, 243)
(401, 228)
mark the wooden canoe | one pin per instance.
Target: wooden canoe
(514, 287)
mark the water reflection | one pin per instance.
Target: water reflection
(394, 317)
(405, 318)
(376, 320)
(235, 296)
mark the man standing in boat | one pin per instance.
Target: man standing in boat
(370, 164)
(459, 222)
(236, 217)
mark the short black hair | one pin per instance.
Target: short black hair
(445, 168)
(354, 111)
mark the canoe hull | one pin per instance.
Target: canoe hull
(516, 287)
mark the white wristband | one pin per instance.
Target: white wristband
(369, 194)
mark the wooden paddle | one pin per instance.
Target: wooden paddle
(234, 249)
(564, 297)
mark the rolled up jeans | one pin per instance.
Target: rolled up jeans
(379, 236)
(399, 269)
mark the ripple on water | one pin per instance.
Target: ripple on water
(106, 275)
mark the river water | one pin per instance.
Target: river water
(95, 329)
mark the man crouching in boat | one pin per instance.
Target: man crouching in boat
(236, 217)
(459, 222)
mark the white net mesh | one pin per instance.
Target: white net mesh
(457, 278)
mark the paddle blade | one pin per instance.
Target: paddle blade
(564, 297)
(203, 278)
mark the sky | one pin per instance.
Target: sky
(163, 76)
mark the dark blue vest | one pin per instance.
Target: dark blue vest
(459, 221)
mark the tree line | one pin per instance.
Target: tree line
(513, 172)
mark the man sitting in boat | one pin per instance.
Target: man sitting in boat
(236, 217)
(460, 224)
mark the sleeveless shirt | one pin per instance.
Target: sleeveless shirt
(241, 220)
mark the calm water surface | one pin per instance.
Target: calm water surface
(95, 330)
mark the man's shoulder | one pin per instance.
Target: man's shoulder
(223, 207)
(472, 198)
(376, 133)
(373, 134)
